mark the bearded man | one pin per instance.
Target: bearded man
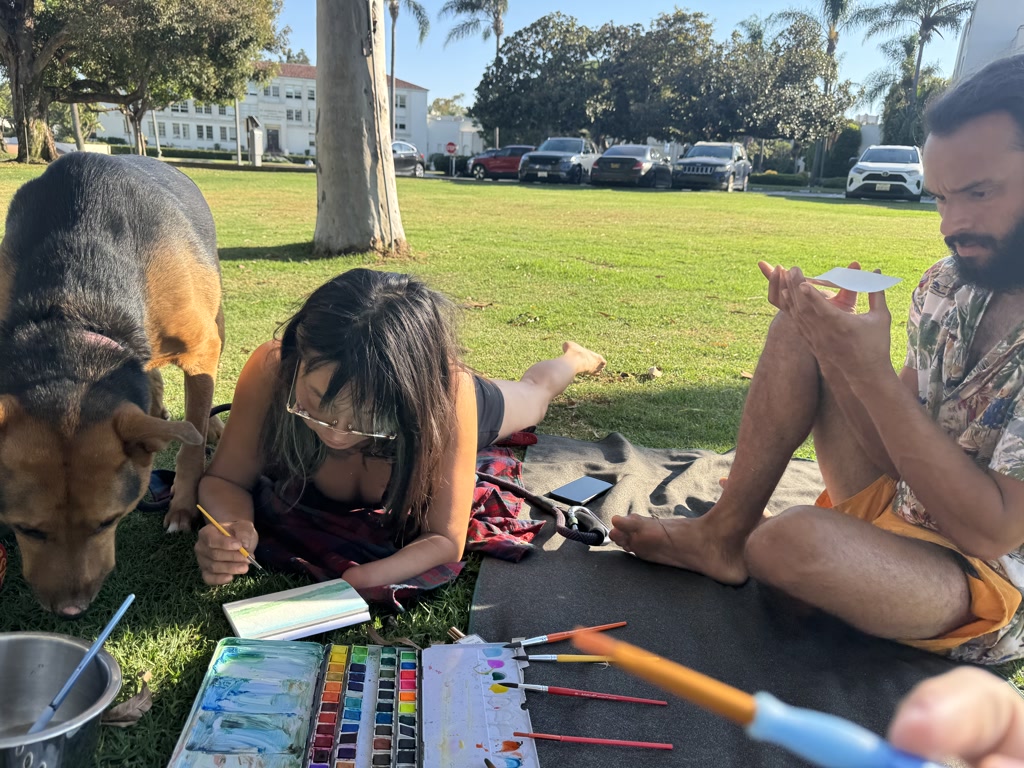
(918, 536)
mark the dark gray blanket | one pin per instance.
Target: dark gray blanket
(747, 637)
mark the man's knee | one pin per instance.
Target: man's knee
(788, 549)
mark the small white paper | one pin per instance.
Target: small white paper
(857, 280)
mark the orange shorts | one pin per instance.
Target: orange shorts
(994, 600)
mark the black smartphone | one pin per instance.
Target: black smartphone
(580, 491)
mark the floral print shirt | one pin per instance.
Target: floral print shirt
(982, 409)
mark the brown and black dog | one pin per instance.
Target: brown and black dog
(108, 271)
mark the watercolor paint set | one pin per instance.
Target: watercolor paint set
(272, 704)
(368, 713)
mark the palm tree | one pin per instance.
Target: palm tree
(926, 18)
(483, 17)
(423, 22)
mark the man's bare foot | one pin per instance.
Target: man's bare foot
(681, 543)
(582, 359)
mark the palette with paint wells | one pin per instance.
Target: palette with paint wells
(367, 713)
(278, 704)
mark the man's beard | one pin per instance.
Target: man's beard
(1004, 270)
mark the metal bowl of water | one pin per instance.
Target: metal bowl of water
(33, 667)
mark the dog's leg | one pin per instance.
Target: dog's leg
(156, 394)
(200, 369)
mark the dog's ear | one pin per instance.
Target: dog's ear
(141, 432)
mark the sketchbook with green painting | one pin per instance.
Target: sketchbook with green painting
(299, 612)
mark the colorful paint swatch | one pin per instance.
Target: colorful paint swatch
(253, 705)
(330, 707)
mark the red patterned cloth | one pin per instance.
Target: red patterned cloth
(3, 564)
(313, 536)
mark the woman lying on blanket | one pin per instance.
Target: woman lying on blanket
(364, 403)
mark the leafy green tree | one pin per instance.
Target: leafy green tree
(156, 52)
(846, 145)
(448, 106)
(419, 13)
(541, 84)
(296, 57)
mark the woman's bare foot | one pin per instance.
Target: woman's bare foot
(582, 359)
(681, 543)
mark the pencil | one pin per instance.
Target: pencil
(221, 528)
(582, 694)
(562, 657)
(554, 637)
(587, 740)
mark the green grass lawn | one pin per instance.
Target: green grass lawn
(648, 279)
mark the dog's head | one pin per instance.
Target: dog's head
(64, 494)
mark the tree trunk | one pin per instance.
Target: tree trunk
(35, 141)
(760, 157)
(156, 136)
(76, 127)
(140, 140)
(917, 72)
(392, 98)
(238, 134)
(357, 204)
(497, 51)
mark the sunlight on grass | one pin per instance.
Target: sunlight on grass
(648, 279)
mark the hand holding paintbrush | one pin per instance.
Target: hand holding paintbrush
(222, 529)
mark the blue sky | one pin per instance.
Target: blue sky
(457, 68)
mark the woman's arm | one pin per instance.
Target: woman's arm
(443, 539)
(225, 490)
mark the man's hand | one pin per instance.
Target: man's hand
(218, 555)
(858, 346)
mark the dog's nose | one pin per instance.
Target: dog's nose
(69, 611)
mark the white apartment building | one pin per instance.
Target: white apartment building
(995, 30)
(286, 107)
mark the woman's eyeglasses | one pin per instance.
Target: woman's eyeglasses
(292, 406)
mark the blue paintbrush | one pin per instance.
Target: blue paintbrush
(54, 705)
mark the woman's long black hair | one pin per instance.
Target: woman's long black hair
(393, 343)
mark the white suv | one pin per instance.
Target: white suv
(887, 171)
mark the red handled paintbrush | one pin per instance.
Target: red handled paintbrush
(582, 694)
(554, 637)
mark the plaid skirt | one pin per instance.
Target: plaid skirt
(306, 533)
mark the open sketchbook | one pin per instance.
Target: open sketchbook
(299, 612)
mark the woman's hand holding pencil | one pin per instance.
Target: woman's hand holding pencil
(224, 550)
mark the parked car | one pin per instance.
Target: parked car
(476, 158)
(887, 171)
(713, 164)
(408, 160)
(499, 163)
(559, 159)
(635, 164)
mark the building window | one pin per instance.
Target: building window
(293, 92)
(204, 109)
(253, 89)
(181, 107)
(161, 130)
(176, 130)
(312, 139)
(231, 134)
(290, 115)
(399, 126)
(311, 115)
(275, 91)
(185, 131)
(311, 94)
(209, 132)
(400, 102)
(223, 133)
(266, 90)
(222, 111)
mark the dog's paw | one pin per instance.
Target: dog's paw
(179, 520)
(214, 429)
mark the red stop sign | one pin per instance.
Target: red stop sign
(450, 147)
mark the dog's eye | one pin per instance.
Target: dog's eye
(106, 524)
(31, 533)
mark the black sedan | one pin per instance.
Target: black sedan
(635, 164)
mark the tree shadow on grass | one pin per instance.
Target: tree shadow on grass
(288, 252)
(892, 205)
